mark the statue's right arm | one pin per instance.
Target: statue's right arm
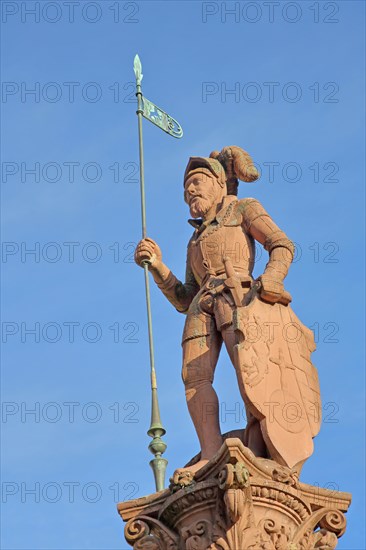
(179, 294)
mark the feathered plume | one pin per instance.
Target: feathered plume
(237, 164)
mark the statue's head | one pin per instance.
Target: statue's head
(208, 180)
(204, 185)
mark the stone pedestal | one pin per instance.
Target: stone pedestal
(237, 502)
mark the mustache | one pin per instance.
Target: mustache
(192, 197)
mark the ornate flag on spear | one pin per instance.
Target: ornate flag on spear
(152, 112)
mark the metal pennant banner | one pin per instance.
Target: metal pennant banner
(160, 118)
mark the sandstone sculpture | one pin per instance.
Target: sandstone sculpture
(267, 344)
(242, 491)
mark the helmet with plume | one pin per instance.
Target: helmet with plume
(228, 166)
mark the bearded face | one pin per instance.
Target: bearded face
(201, 193)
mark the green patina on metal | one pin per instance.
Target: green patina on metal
(160, 118)
(152, 112)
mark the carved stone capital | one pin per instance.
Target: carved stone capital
(237, 502)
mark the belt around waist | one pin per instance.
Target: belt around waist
(211, 281)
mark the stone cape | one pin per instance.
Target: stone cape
(237, 502)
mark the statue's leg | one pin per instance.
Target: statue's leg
(200, 357)
(253, 434)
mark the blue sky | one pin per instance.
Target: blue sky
(296, 77)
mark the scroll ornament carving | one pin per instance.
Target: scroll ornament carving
(147, 533)
(197, 536)
(332, 525)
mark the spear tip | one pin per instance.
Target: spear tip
(137, 67)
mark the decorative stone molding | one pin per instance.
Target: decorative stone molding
(237, 502)
(197, 536)
(146, 533)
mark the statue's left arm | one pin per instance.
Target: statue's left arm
(258, 223)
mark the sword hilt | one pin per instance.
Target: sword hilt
(233, 283)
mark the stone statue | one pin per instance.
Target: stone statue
(242, 492)
(268, 346)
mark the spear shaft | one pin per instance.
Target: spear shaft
(156, 430)
(143, 227)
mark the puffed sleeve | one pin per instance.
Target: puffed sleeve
(179, 294)
(257, 222)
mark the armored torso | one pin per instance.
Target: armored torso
(223, 237)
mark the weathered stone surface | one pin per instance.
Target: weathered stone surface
(237, 502)
(242, 491)
(268, 345)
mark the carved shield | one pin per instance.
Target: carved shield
(281, 386)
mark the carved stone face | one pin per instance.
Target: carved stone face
(201, 192)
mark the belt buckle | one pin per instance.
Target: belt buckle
(211, 283)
